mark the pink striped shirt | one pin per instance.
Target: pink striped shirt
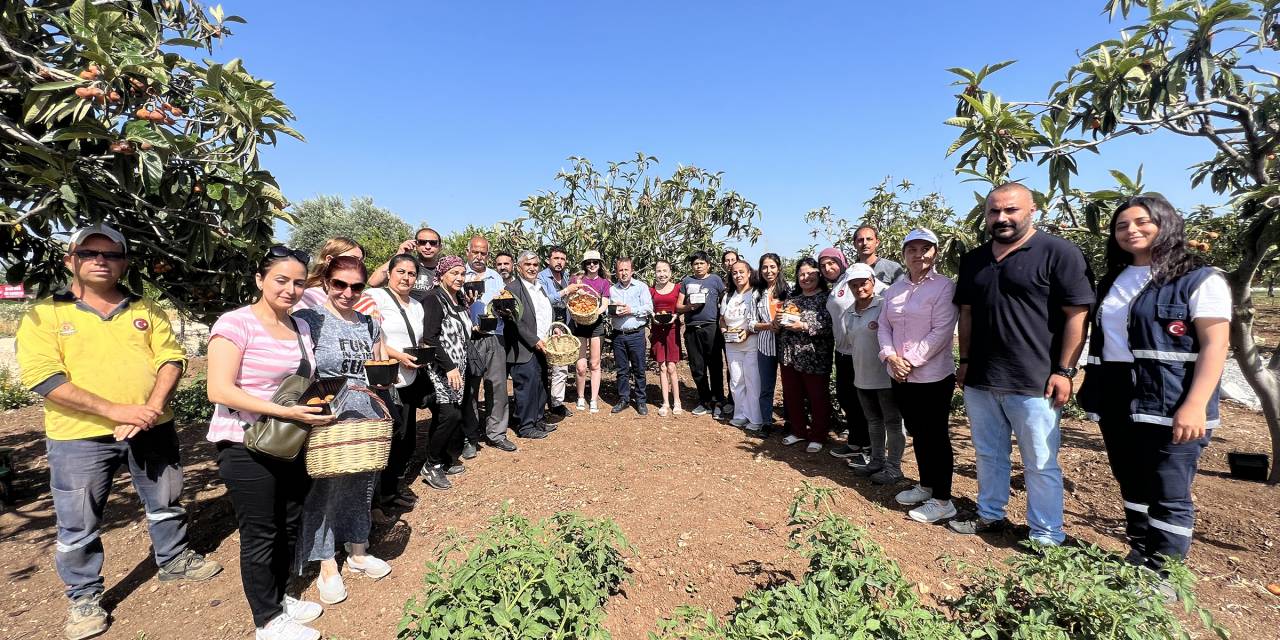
(918, 323)
(264, 362)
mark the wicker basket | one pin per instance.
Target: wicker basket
(562, 349)
(584, 319)
(350, 446)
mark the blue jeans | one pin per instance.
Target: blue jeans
(768, 382)
(80, 474)
(628, 355)
(993, 417)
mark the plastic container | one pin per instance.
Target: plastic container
(1248, 466)
(335, 389)
(476, 287)
(664, 317)
(422, 355)
(381, 373)
(488, 323)
(503, 304)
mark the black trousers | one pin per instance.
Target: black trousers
(530, 392)
(1154, 474)
(926, 412)
(705, 362)
(847, 396)
(404, 440)
(444, 436)
(267, 495)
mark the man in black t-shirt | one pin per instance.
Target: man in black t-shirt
(1023, 299)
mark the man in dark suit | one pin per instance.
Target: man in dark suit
(526, 360)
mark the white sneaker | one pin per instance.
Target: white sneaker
(933, 511)
(332, 591)
(739, 422)
(594, 407)
(791, 439)
(814, 447)
(368, 565)
(582, 404)
(914, 495)
(282, 627)
(301, 611)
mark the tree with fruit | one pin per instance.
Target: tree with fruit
(1190, 68)
(103, 118)
(627, 211)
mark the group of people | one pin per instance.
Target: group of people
(900, 339)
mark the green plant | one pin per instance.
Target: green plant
(10, 315)
(110, 112)
(519, 579)
(380, 231)
(12, 394)
(190, 402)
(1074, 593)
(849, 591)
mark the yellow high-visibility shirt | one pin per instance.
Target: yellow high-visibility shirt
(62, 340)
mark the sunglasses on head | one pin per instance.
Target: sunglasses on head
(427, 243)
(281, 251)
(339, 285)
(90, 254)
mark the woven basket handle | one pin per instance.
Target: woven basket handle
(563, 326)
(359, 388)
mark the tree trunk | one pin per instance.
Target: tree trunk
(1263, 377)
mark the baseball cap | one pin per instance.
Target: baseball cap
(921, 234)
(859, 271)
(84, 233)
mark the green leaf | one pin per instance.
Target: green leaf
(55, 86)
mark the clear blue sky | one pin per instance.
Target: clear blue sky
(453, 112)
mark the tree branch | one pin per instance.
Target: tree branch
(1255, 69)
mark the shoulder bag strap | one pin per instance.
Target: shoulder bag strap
(304, 365)
(413, 337)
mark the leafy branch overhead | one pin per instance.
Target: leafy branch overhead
(1192, 68)
(103, 118)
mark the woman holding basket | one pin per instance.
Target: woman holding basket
(337, 508)
(597, 279)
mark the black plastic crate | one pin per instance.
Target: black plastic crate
(1248, 466)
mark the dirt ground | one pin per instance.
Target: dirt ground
(705, 506)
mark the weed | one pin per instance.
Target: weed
(12, 394)
(190, 402)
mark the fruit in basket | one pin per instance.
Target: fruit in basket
(791, 308)
(503, 295)
(584, 304)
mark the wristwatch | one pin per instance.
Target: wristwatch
(1066, 372)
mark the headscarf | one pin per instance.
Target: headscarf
(834, 254)
(443, 265)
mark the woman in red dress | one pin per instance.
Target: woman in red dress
(665, 337)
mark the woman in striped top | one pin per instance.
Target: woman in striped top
(772, 291)
(251, 351)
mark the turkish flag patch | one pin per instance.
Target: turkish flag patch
(141, 324)
(840, 294)
(1177, 328)
(873, 325)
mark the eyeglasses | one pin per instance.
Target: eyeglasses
(427, 243)
(339, 285)
(281, 251)
(90, 254)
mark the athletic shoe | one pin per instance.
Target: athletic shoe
(886, 476)
(738, 422)
(699, 410)
(978, 525)
(582, 404)
(791, 439)
(369, 566)
(727, 408)
(532, 434)
(662, 411)
(914, 495)
(863, 469)
(332, 590)
(86, 618)
(845, 451)
(503, 444)
(454, 470)
(932, 511)
(618, 408)
(301, 611)
(562, 411)
(433, 475)
(595, 408)
(189, 565)
(676, 410)
(469, 450)
(282, 627)
(754, 429)
(813, 447)
(716, 412)
(642, 409)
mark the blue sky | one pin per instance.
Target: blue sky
(451, 113)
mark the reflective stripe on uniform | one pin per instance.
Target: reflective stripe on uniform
(1167, 356)
(1171, 528)
(1168, 422)
(1134, 506)
(67, 548)
(165, 513)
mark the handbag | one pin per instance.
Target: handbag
(276, 437)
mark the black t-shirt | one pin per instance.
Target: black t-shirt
(1016, 313)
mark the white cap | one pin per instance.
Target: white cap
(84, 233)
(859, 271)
(921, 234)
(591, 254)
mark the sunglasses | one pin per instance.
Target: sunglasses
(90, 254)
(281, 251)
(339, 285)
(588, 262)
(428, 243)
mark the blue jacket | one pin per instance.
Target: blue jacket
(1165, 347)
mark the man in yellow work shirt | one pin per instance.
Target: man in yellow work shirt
(106, 362)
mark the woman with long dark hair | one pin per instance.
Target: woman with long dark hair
(737, 323)
(251, 351)
(805, 345)
(771, 292)
(1156, 353)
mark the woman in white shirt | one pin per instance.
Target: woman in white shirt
(737, 322)
(1156, 355)
(402, 318)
